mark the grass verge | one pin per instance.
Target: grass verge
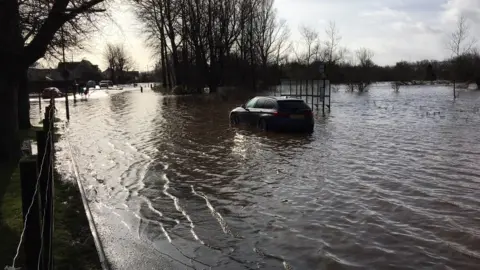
(11, 221)
(73, 246)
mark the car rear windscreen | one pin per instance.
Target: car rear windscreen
(293, 105)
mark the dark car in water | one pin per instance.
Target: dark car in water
(51, 92)
(274, 113)
(105, 84)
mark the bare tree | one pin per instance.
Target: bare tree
(310, 44)
(118, 61)
(33, 15)
(206, 42)
(332, 52)
(364, 57)
(282, 44)
(460, 45)
(460, 41)
(269, 32)
(110, 57)
(361, 77)
(25, 37)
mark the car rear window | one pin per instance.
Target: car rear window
(293, 104)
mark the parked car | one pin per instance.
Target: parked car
(91, 84)
(105, 84)
(274, 113)
(51, 92)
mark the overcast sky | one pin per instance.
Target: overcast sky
(394, 29)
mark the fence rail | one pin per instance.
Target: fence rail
(37, 187)
(315, 92)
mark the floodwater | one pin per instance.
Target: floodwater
(387, 181)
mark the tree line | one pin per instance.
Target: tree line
(244, 43)
(214, 43)
(357, 69)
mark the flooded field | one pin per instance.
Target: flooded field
(387, 181)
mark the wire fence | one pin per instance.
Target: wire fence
(37, 185)
(316, 93)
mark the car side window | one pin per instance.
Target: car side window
(251, 103)
(260, 103)
(270, 104)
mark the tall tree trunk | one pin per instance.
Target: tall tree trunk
(163, 60)
(252, 52)
(9, 141)
(11, 46)
(169, 22)
(23, 101)
(185, 61)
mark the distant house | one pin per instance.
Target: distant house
(81, 72)
(107, 74)
(39, 74)
(124, 77)
(131, 76)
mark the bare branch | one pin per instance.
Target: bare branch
(311, 45)
(460, 41)
(364, 57)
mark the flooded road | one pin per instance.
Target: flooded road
(387, 181)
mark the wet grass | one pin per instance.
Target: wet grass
(11, 221)
(73, 243)
(73, 246)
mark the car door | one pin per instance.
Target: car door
(256, 111)
(245, 114)
(270, 107)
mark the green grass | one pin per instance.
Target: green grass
(73, 246)
(161, 89)
(11, 221)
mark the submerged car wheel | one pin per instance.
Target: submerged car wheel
(262, 125)
(310, 129)
(234, 119)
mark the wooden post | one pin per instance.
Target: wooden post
(290, 82)
(323, 97)
(329, 95)
(40, 101)
(312, 92)
(45, 146)
(65, 76)
(67, 110)
(28, 181)
(296, 88)
(75, 93)
(454, 90)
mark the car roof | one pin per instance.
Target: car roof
(280, 98)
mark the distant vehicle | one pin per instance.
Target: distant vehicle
(91, 84)
(274, 113)
(51, 92)
(105, 84)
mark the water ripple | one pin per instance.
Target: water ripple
(387, 181)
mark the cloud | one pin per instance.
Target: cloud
(395, 29)
(454, 8)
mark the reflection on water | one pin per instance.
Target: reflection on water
(387, 181)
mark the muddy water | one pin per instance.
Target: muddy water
(387, 181)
